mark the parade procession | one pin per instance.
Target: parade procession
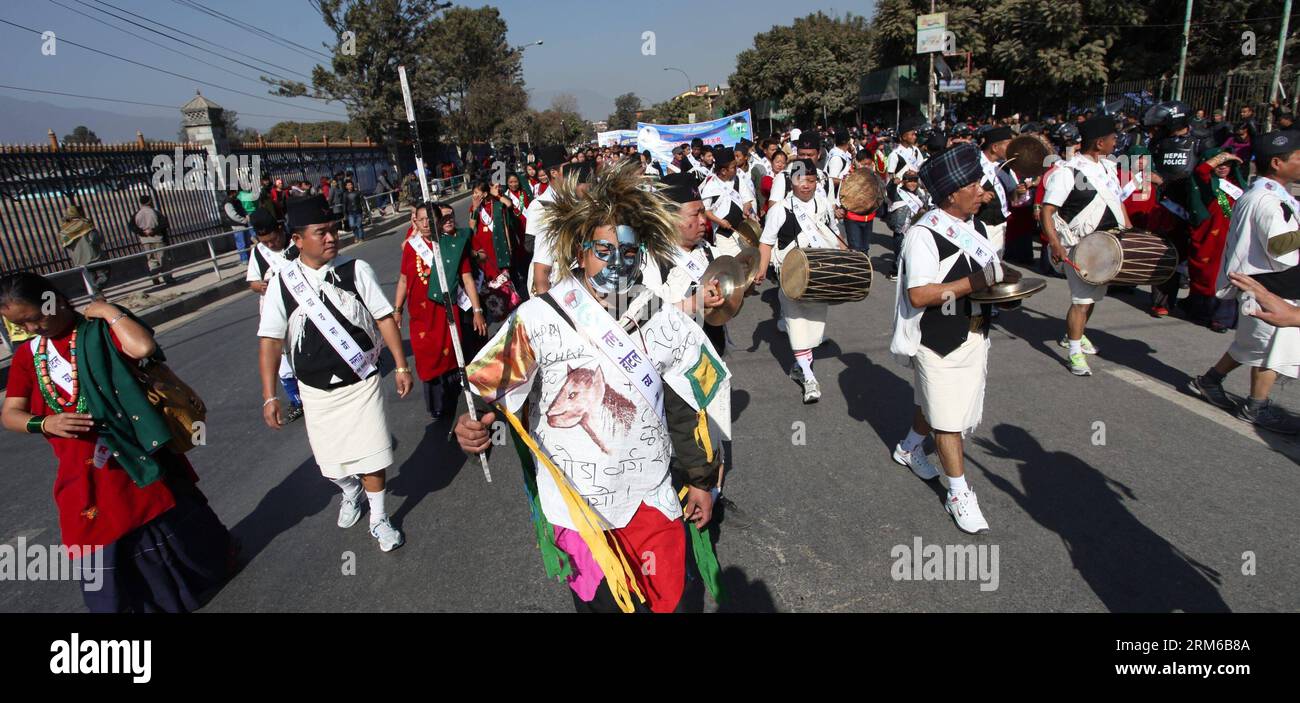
(938, 309)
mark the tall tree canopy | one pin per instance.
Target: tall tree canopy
(625, 108)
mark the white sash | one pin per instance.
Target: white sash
(295, 280)
(424, 251)
(1230, 189)
(516, 199)
(1176, 209)
(810, 227)
(910, 199)
(274, 259)
(59, 367)
(599, 327)
(689, 263)
(961, 234)
(1131, 187)
(991, 173)
(485, 217)
(1109, 185)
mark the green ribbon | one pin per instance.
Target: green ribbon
(707, 562)
(553, 558)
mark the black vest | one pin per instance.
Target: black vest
(263, 266)
(1081, 197)
(789, 230)
(316, 362)
(943, 333)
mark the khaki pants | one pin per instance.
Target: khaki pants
(157, 256)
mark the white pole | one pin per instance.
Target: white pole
(437, 259)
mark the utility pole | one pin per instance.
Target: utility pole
(1182, 59)
(1277, 63)
(930, 106)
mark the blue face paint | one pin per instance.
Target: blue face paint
(622, 262)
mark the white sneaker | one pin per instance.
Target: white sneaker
(965, 511)
(917, 461)
(350, 510)
(1084, 343)
(388, 536)
(812, 391)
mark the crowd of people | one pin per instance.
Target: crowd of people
(577, 306)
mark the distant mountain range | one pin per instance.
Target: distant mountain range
(27, 122)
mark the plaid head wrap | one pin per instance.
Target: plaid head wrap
(951, 171)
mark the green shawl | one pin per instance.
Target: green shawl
(453, 250)
(500, 240)
(130, 424)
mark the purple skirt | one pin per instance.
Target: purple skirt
(170, 565)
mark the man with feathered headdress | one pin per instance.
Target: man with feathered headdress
(621, 405)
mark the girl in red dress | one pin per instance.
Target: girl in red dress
(1220, 183)
(435, 360)
(146, 538)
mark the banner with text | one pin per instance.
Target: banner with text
(616, 137)
(661, 138)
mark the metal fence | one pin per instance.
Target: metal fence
(39, 182)
(1226, 91)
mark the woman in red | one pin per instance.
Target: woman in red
(779, 160)
(435, 360)
(1220, 183)
(492, 248)
(147, 539)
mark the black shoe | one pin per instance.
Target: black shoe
(1269, 417)
(294, 414)
(1212, 392)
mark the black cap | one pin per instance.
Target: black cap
(911, 124)
(808, 140)
(263, 221)
(995, 134)
(697, 142)
(1266, 146)
(308, 210)
(681, 187)
(552, 156)
(841, 137)
(723, 155)
(1097, 127)
(800, 168)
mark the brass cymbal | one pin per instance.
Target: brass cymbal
(749, 258)
(1008, 292)
(730, 274)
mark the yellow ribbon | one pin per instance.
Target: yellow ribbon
(702, 435)
(605, 549)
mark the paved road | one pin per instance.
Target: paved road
(1160, 516)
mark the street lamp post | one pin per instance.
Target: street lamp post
(521, 47)
(689, 85)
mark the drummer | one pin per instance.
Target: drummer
(679, 282)
(803, 220)
(728, 201)
(1081, 196)
(939, 332)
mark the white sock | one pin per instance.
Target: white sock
(913, 441)
(377, 511)
(804, 358)
(1076, 346)
(350, 485)
(957, 484)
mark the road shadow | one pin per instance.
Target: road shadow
(1125, 563)
(431, 467)
(739, 593)
(302, 494)
(1043, 332)
(877, 396)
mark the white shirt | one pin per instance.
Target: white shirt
(815, 208)
(537, 227)
(1101, 174)
(921, 266)
(275, 323)
(1257, 217)
(255, 272)
(903, 157)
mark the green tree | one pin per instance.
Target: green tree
(479, 80)
(812, 66)
(81, 135)
(314, 131)
(678, 110)
(625, 108)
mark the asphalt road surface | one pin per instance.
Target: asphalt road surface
(1118, 492)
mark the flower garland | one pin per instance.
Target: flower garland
(77, 401)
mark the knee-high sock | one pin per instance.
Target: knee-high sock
(804, 358)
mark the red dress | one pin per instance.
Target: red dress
(482, 241)
(1209, 238)
(97, 506)
(428, 320)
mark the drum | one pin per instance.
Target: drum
(826, 275)
(1132, 257)
(861, 192)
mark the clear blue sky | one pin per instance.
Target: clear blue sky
(591, 48)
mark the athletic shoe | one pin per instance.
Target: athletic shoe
(796, 374)
(1269, 417)
(1084, 343)
(388, 536)
(1212, 392)
(1159, 311)
(917, 461)
(294, 414)
(1079, 365)
(350, 510)
(812, 391)
(965, 511)
(892, 275)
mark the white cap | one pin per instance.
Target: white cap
(794, 134)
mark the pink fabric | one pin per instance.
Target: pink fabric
(586, 575)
